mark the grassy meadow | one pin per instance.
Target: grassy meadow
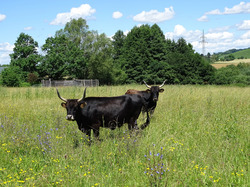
(221, 64)
(198, 136)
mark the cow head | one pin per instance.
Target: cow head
(155, 90)
(72, 105)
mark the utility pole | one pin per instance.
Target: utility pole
(203, 41)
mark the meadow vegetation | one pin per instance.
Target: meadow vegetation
(198, 136)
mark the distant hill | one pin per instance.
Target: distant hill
(243, 53)
(237, 53)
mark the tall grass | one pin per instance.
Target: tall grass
(198, 135)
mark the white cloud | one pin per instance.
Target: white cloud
(153, 16)
(179, 30)
(5, 50)
(245, 25)
(214, 12)
(217, 40)
(220, 36)
(117, 15)
(85, 11)
(27, 28)
(242, 8)
(219, 29)
(2, 17)
(242, 43)
(6, 47)
(246, 35)
(237, 9)
(203, 18)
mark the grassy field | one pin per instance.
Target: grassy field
(242, 53)
(221, 64)
(198, 136)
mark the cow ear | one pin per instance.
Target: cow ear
(148, 90)
(63, 105)
(161, 90)
(82, 105)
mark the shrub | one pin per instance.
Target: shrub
(32, 78)
(11, 76)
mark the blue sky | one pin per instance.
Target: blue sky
(226, 23)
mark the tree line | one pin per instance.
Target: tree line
(76, 52)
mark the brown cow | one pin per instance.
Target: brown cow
(150, 96)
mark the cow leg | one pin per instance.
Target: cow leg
(147, 122)
(135, 125)
(88, 135)
(152, 111)
(96, 131)
(87, 132)
(132, 124)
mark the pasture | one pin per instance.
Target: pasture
(198, 136)
(220, 64)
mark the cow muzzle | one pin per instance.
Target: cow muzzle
(70, 117)
(155, 99)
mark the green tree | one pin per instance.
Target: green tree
(229, 57)
(239, 74)
(12, 76)
(189, 67)
(158, 69)
(76, 31)
(76, 63)
(118, 42)
(63, 59)
(25, 55)
(136, 53)
(100, 62)
(120, 75)
(54, 64)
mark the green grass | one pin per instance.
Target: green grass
(244, 53)
(198, 136)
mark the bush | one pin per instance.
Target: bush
(32, 78)
(24, 84)
(232, 75)
(11, 76)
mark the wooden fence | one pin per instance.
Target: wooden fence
(75, 82)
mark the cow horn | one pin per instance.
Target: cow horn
(60, 96)
(84, 95)
(162, 84)
(146, 84)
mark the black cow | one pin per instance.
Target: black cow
(110, 112)
(150, 96)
